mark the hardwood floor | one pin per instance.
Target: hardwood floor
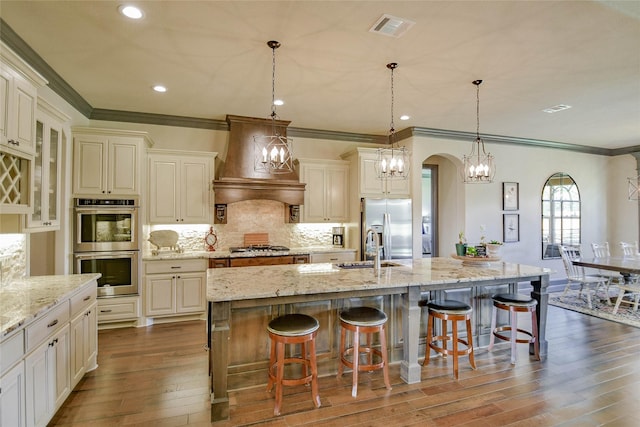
(158, 376)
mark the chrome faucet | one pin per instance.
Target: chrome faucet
(376, 254)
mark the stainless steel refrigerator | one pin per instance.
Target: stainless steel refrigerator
(391, 219)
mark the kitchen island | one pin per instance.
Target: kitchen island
(241, 301)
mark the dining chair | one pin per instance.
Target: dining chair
(629, 249)
(601, 250)
(575, 274)
(630, 290)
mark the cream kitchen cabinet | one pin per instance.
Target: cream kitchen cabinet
(106, 162)
(180, 187)
(83, 334)
(47, 377)
(333, 257)
(12, 382)
(36, 361)
(326, 196)
(12, 397)
(118, 311)
(47, 168)
(175, 287)
(363, 162)
(18, 96)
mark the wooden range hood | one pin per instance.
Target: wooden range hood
(239, 181)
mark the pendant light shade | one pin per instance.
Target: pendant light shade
(393, 162)
(478, 165)
(273, 153)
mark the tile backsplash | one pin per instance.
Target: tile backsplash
(251, 216)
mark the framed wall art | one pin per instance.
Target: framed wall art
(510, 228)
(510, 196)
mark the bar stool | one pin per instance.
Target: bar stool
(293, 329)
(365, 320)
(455, 311)
(515, 303)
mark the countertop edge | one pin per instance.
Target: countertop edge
(26, 286)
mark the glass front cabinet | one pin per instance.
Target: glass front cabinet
(50, 136)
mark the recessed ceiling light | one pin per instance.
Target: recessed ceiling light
(556, 108)
(404, 117)
(160, 88)
(130, 11)
(278, 102)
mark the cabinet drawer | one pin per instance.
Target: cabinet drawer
(175, 266)
(51, 322)
(83, 299)
(219, 262)
(342, 256)
(118, 309)
(12, 350)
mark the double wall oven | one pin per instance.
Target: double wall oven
(106, 241)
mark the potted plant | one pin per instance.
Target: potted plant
(493, 248)
(461, 246)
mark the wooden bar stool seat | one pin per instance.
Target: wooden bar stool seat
(514, 304)
(454, 311)
(293, 329)
(365, 320)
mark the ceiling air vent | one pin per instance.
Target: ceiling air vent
(391, 26)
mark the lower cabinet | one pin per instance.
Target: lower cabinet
(12, 397)
(47, 378)
(173, 288)
(338, 256)
(84, 342)
(41, 363)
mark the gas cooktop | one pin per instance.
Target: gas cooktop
(259, 248)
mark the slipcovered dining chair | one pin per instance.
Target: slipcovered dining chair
(575, 274)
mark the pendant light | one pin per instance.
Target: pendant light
(478, 166)
(634, 188)
(393, 162)
(273, 153)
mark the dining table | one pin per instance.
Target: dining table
(627, 266)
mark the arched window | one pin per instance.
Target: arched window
(560, 214)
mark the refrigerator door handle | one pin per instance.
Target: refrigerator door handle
(386, 236)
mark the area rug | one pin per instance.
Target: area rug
(600, 309)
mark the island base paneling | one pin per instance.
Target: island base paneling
(248, 343)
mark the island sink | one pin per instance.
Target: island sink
(366, 264)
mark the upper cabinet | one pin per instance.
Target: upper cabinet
(180, 186)
(326, 196)
(18, 98)
(51, 134)
(369, 185)
(18, 93)
(106, 162)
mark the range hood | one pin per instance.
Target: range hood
(239, 181)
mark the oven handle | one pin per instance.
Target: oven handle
(103, 210)
(109, 255)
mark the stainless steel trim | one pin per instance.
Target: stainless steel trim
(106, 289)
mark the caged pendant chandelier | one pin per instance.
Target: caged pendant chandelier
(273, 153)
(478, 165)
(634, 188)
(393, 162)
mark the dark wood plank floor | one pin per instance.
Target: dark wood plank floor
(157, 376)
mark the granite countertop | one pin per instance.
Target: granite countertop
(25, 299)
(168, 255)
(241, 283)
